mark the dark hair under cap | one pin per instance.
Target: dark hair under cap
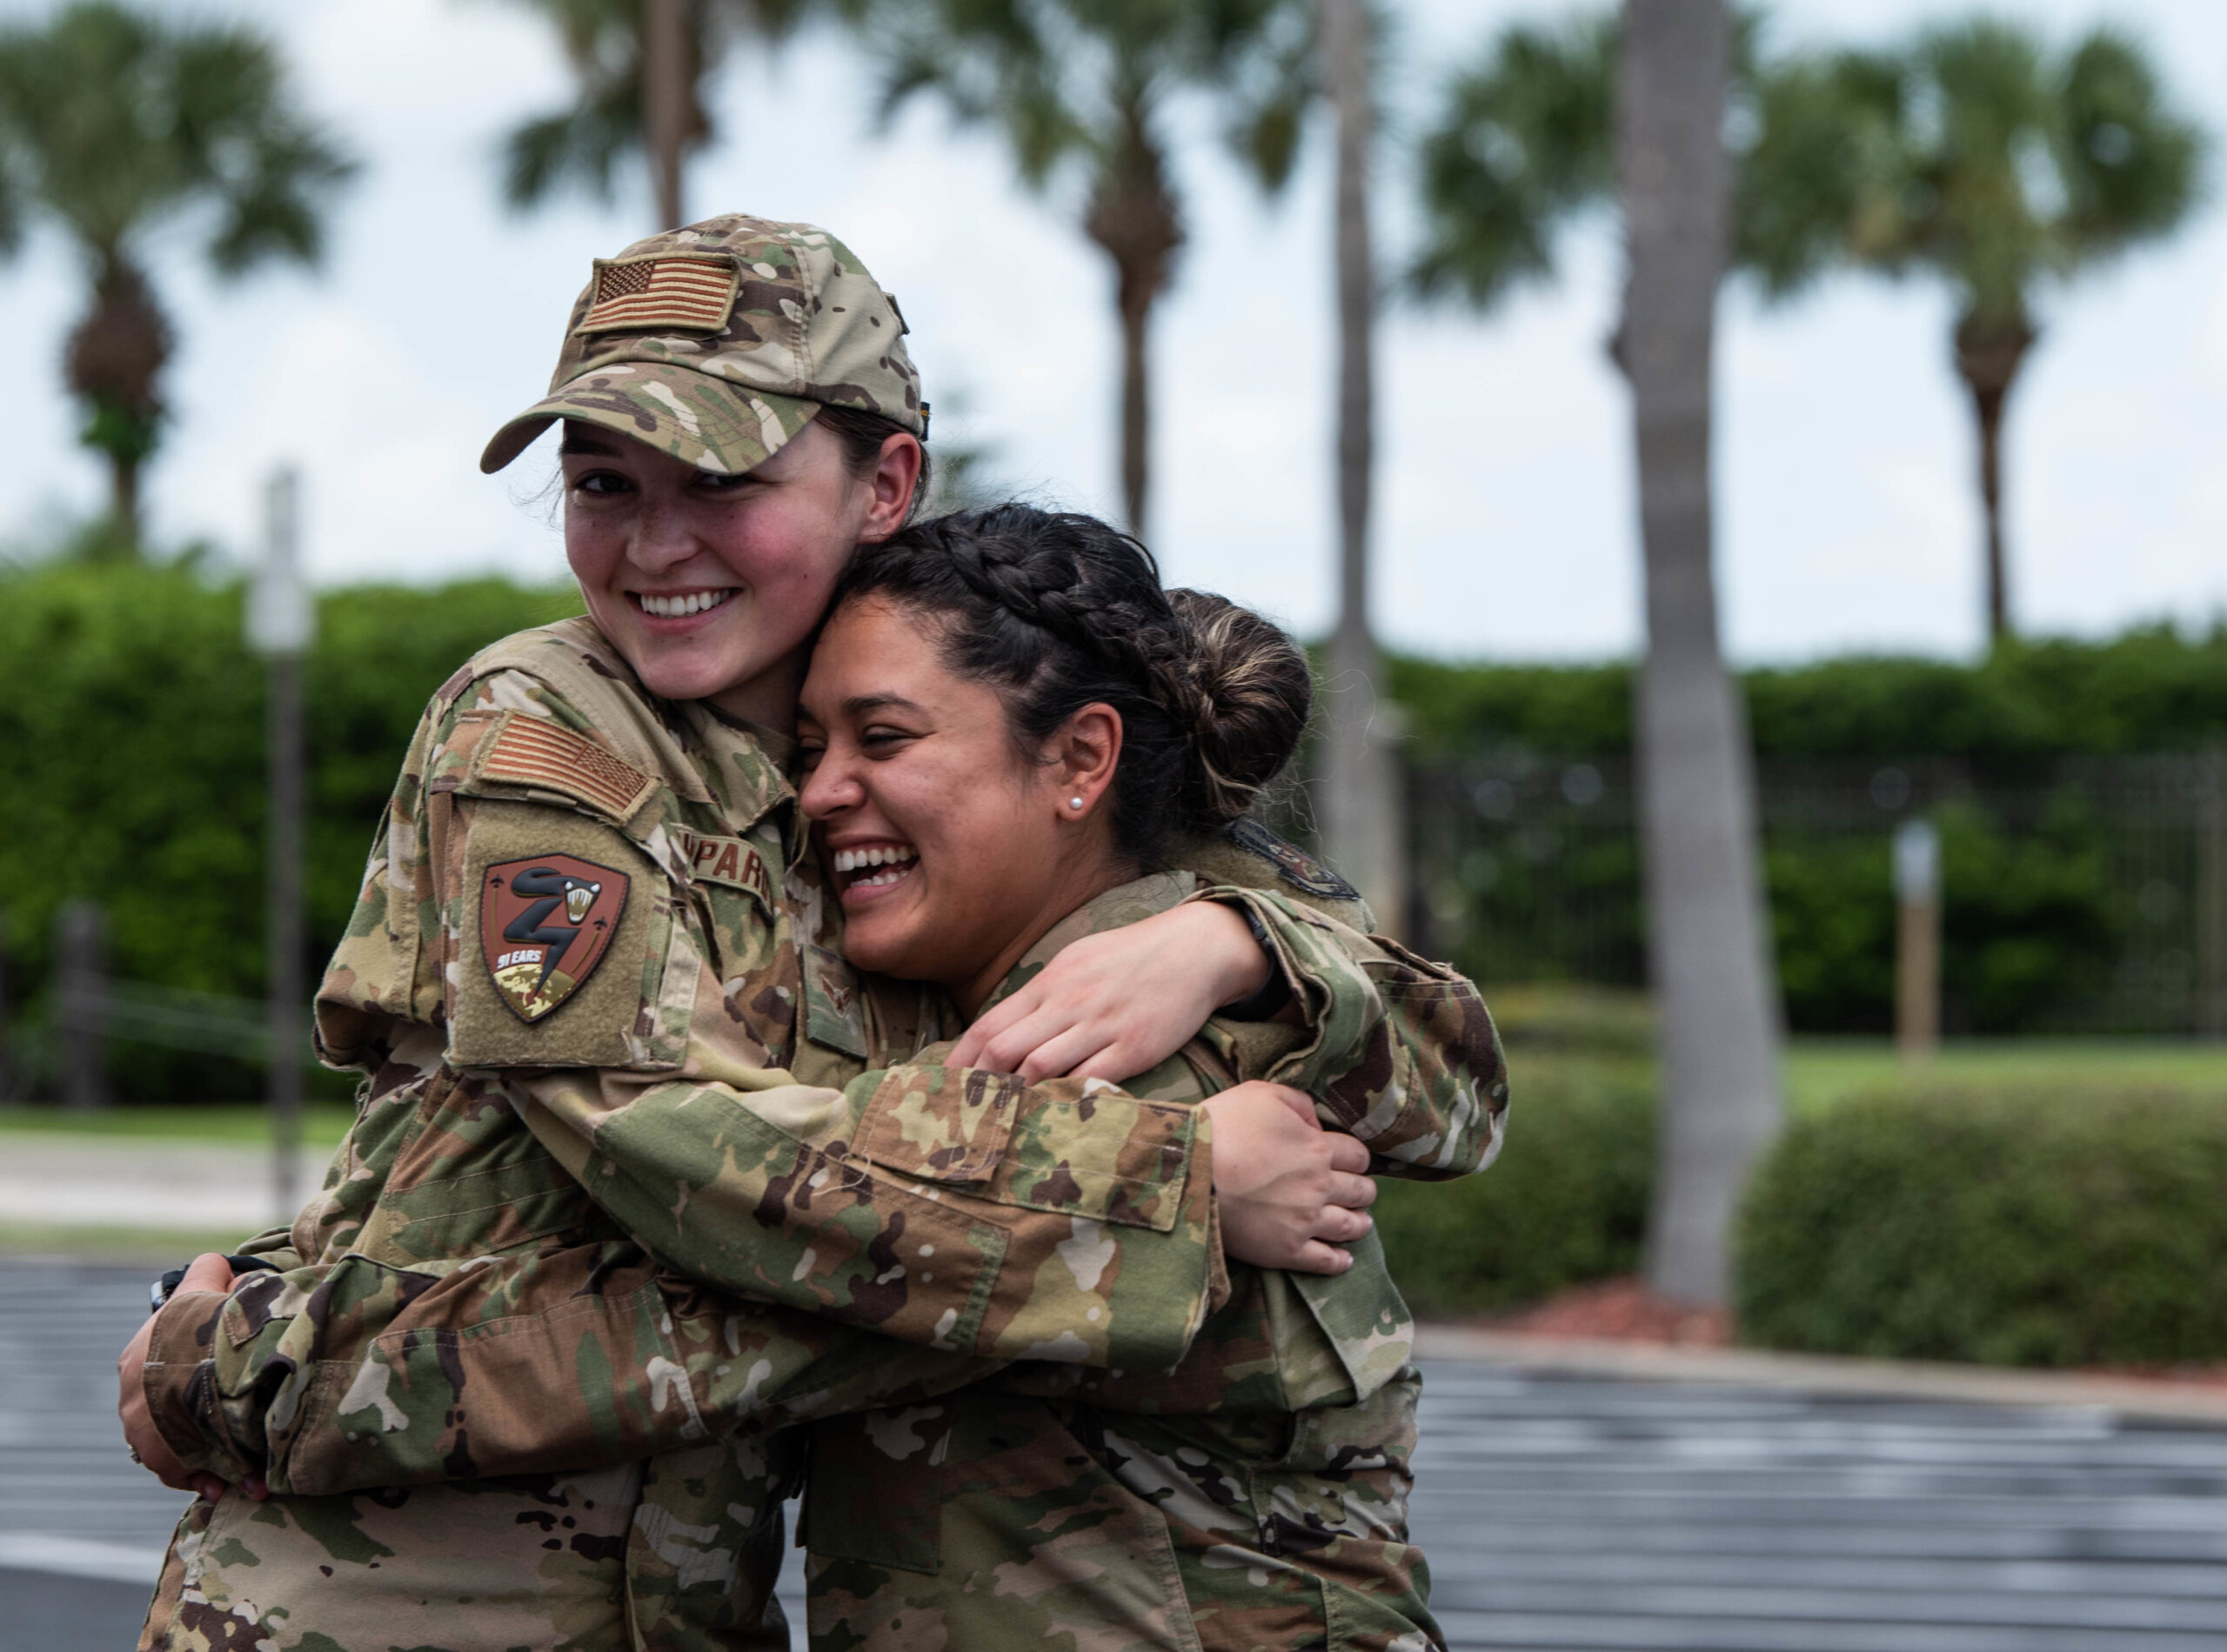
(1057, 611)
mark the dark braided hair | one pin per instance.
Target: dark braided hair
(1057, 611)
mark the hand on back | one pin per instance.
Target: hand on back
(1288, 1192)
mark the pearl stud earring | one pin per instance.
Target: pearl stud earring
(1075, 803)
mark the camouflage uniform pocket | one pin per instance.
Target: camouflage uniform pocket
(939, 1124)
(1032, 1541)
(484, 1211)
(1359, 1622)
(874, 1490)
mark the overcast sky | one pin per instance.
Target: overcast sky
(1846, 514)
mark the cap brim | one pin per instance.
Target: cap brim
(694, 417)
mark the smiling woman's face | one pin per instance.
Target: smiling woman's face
(951, 854)
(711, 585)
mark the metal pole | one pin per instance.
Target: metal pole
(2211, 897)
(279, 624)
(1918, 939)
(7, 1063)
(80, 946)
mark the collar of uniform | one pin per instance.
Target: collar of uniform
(1120, 906)
(745, 762)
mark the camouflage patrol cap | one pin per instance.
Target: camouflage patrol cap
(719, 342)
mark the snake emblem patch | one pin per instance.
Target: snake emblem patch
(545, 924)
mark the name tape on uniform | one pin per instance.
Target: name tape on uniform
(727, 860)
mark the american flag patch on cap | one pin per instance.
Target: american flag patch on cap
(691, 291)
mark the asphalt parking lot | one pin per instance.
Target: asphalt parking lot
(1611, 1515)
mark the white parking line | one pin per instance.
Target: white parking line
(76, 1557)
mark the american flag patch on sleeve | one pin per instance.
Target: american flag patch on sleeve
(689, 292)
(532, 750)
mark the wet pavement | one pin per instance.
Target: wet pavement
(1610, 1515)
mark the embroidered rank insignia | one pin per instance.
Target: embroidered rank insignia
(545, 924)
(1294, 865)
(687, 291)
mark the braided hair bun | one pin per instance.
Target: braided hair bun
(1056, 611)
(1247, 691)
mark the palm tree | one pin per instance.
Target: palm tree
(1082, 86)
(1543, 128)
(640, 66)
(1979, 155)
(114, 125)
(1975, 154)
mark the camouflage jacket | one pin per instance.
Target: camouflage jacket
(666, 1364)
(1255, 1497)
(705, 1088)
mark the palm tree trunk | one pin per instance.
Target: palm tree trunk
(1362, 825)
(1706, 942)
(665, 101)
(1988, 355)
(1132, 216)
(1136, 303)
(114, 364)
(124, 498)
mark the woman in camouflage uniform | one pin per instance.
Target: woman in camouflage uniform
(701, 1074)
(1268, 1473)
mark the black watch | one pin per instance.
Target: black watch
(164, 1289)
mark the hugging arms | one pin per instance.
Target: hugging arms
(701, 1080)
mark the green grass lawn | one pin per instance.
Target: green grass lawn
(1821, 1071)
(324, 1123)
(1818, 1072)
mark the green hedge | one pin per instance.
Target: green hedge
(2151, 690)
(2060, 1229)
(1565, 1204)
(132, 732)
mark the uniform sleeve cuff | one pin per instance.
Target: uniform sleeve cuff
(180, 1378)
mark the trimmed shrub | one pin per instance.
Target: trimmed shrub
(1566, 1202)
(2061, 1228)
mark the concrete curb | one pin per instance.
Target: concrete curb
(2161, 1401)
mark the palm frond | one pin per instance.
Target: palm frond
(2131, 163)
(1521, 146)
(117, 121)
(1822, 179)
(575, 149)
(1271, 87)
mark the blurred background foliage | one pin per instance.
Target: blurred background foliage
(2150, 690)
(131, 710)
